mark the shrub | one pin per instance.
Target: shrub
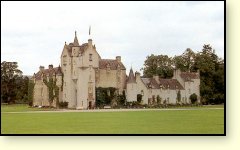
(139, 98)
(30, 103)
(63, 104)
(159, 99)
(193, 98)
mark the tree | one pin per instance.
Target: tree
(186, 61)
(11, 76)
(159, 99)
(193, 98)
(211, 74)
(160, 65)
(178, 96)
(105, 96)
(30, 92)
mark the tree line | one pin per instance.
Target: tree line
(14, 86)
(211, 67)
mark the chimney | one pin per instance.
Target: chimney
(41, 68)
(50, 66)
(137, 75)
(176, 73)
(89, 42)
(118, 58)
(156, 77)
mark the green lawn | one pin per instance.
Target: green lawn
(200, 121)
(21, 108)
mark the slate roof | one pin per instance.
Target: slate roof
(188, 76)
(112, 63)
(173, 84)
(48, 72)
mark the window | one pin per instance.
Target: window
(142, 93)
(64, 59)
(90, 57)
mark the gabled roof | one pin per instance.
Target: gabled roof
(48, 72)
(172, 83)
(112, 63)
(188, 76)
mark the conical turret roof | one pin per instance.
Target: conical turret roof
(75, 43)
(131, 77)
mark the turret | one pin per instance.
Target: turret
(59, 76)
(131, 87)
(75, 43)
(131, 77)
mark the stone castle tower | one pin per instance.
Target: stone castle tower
(84, 70)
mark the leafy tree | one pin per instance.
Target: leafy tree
(158, 65)
(211, 75)
(11, 79)
(30, 92)
(104, 96)
(186, 61)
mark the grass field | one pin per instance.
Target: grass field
(198, 121)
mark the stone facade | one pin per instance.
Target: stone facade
(186, 83)
(82, 70)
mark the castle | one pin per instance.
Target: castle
(82, 70)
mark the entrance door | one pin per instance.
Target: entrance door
(90, 105)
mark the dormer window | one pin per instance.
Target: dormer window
(90, 57)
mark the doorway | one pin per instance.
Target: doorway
(90, 105)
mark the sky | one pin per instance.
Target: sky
(34, 33)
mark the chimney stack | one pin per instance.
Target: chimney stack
(137, 75)
(156, 77)
(118, 58)
(89, 42)
(41, 68)
(50, 66)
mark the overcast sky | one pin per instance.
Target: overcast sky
(33, 33)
